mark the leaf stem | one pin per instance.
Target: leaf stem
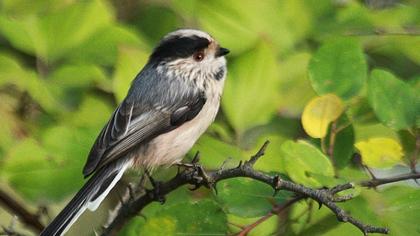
(330, 151)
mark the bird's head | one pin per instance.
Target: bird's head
(190, 54)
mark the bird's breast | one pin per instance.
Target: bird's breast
(169, 148)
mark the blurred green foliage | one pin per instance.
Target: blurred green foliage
(64, 65)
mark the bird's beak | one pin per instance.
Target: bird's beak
(222, 51)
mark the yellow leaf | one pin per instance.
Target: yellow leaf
(319, 113)
(380, 152)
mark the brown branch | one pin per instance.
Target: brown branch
(195, 176)
(375, 182)
(25, 216)
(413, 161)
(330, 151)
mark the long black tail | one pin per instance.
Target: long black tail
(90, 196)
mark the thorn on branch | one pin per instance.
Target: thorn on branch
(240, 164)
(259, 154)
(342, 187)
(319, 205)
(196, 158)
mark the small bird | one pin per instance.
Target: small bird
(170, 104)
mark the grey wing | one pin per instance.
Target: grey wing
(136, 123)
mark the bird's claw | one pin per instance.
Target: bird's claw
(199, 177)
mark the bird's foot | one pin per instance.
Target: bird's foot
(191, 165)
(201, 178)
(198, 175)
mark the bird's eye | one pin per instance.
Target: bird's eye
(198, 56)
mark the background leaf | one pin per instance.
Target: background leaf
(252, 82)
(128, 61)
(338, 67)
(248, 198)
(203, 217)
(301, 159)
(51, 35)
(398, 111)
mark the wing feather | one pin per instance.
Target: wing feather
(133, 123)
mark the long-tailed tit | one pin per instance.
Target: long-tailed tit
(171, 102)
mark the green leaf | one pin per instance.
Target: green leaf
(360, 112)
(39, 90)
(301, 159)
(250, 87)
(52, 35)
(343, 147)
(155, 30)
(409, 46)
(93, 114)
(214, 152)
(26, 7)
(248, 198)
(295, 88)
(408, 142)
(272, 161)
(397, 208)
(102, 47)
(11, 72)
(249, 21)
(155, 226)
(77, 75)
(185, 8)
(394, 102)
(69, 82)
(187, 218)
(338, 67)
(227, 24)
(9, 124)
(130, 61)
(10, 69)
(36, 174)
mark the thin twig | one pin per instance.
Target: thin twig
(374, 182)
(413, 161)
(25, 216)
(277, 209)
(384, 32)
(330, 151)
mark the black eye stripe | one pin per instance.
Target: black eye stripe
(179, 47)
